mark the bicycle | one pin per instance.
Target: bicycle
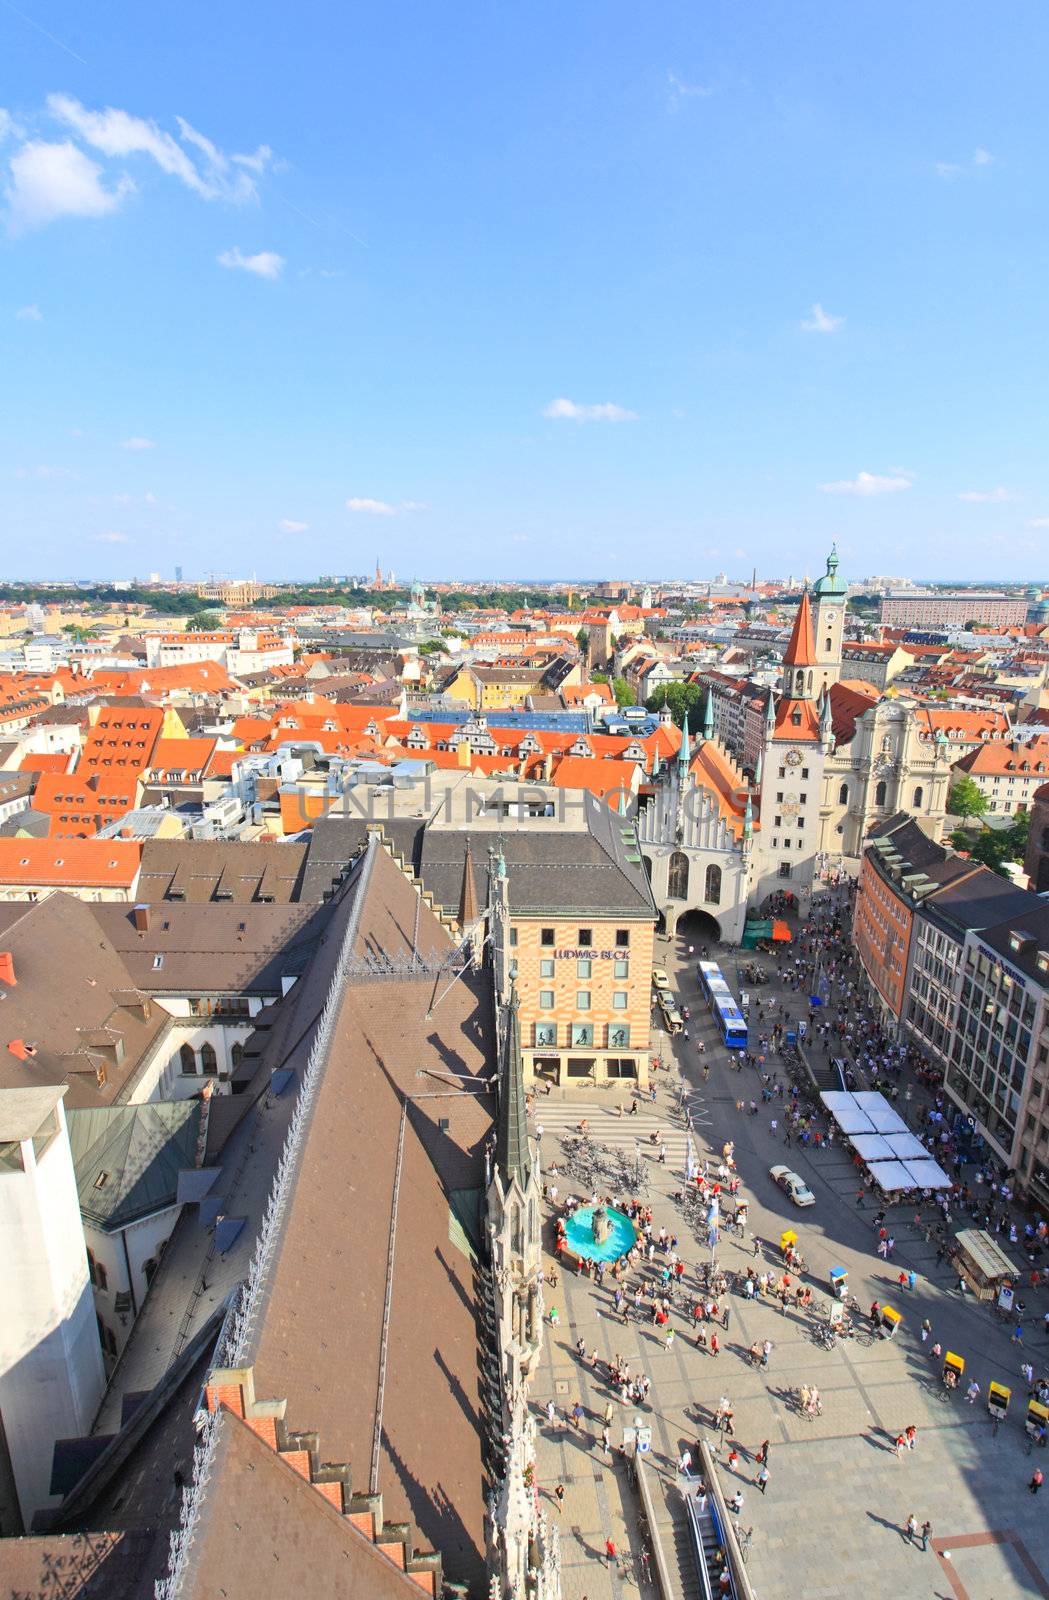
(744, 1539)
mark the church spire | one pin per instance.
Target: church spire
(468, 909)
(512, 1155)
(708, 715)
(799, 658)
(801, 651)
(684, 752)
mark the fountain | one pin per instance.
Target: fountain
(600, 1233)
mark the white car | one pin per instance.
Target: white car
(660, 980)
(791, 1184)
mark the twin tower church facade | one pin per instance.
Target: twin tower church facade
(836, 758)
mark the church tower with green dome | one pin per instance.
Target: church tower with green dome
(829, 595)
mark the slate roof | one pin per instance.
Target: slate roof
(197, 870)
(127, 1158)
(215, 947)
(586, 869)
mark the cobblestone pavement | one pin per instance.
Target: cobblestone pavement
(838, 1496)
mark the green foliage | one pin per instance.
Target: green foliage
(682, 698)
(623, 692)
(966, 798)
(994, 847)
(430, 647)
(582, 639)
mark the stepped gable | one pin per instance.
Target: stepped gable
(276, 1519)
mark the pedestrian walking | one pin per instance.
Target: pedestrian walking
(763, 1478)
(926, 1329)
(668, 1342)
(685, 1461)
(1036, 1480)
(972, 1391)
(559, 1498)
(551, 1413)
(577, 1415)
(900, 1446)
(911, 1435)
(911, 1526)
(610, 1551)
(763, 1453)
(926, 1534)
(715, 1347)
(736, 1503)
(1018, 1335)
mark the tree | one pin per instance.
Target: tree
(582, 639)
(994, 847)
(966, 798)
(623, 692)
(682, 698)
(201, 621)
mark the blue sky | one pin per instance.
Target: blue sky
(575, 289)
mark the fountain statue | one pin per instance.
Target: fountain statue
(601, 1227)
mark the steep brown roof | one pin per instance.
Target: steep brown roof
(68, 1007)
(321, 1335)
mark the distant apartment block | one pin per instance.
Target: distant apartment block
(952, 610)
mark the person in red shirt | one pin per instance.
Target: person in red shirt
(610, 1551)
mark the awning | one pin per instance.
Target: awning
(872, 1147)
(889, 1175)
(985, 1254)
(781, 931)
(884, 1119)
(846, 1113)
(907, 1147)
(927, 1175)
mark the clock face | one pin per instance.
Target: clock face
(793, 758)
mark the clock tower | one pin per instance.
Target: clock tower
(797, 737)
(828, 620)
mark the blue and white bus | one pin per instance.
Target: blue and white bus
(732, 1024)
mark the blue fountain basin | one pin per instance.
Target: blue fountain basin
(579, 1233)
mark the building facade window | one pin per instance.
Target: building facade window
(677, 876)
(546, 936)
(582, 1000)
(546, 999)
(621, 969)
(919, 795)
(620, 1000)
(843, 795)
(582, 1035)
(208, 1059)
(712, 893)
(187, 1058)
(880, 792)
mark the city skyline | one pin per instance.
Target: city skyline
(510, 288)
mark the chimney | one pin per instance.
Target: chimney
(7, 968)
(140, 917)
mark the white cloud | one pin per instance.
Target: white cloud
(257, 162)
(950, 170)
(29, 314)
(867, 483)
(45, 472)
(119, 133)
(375, 508)
(980, 496)
(288, 526)
(265, 264)
(519, 538)
(568, 410)
(109, 538)
(137, 443)
(820, 321)
(57, 180)
(1038, 522)
(6, 123)
(679, 91)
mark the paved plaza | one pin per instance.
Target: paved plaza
(838, 1496)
